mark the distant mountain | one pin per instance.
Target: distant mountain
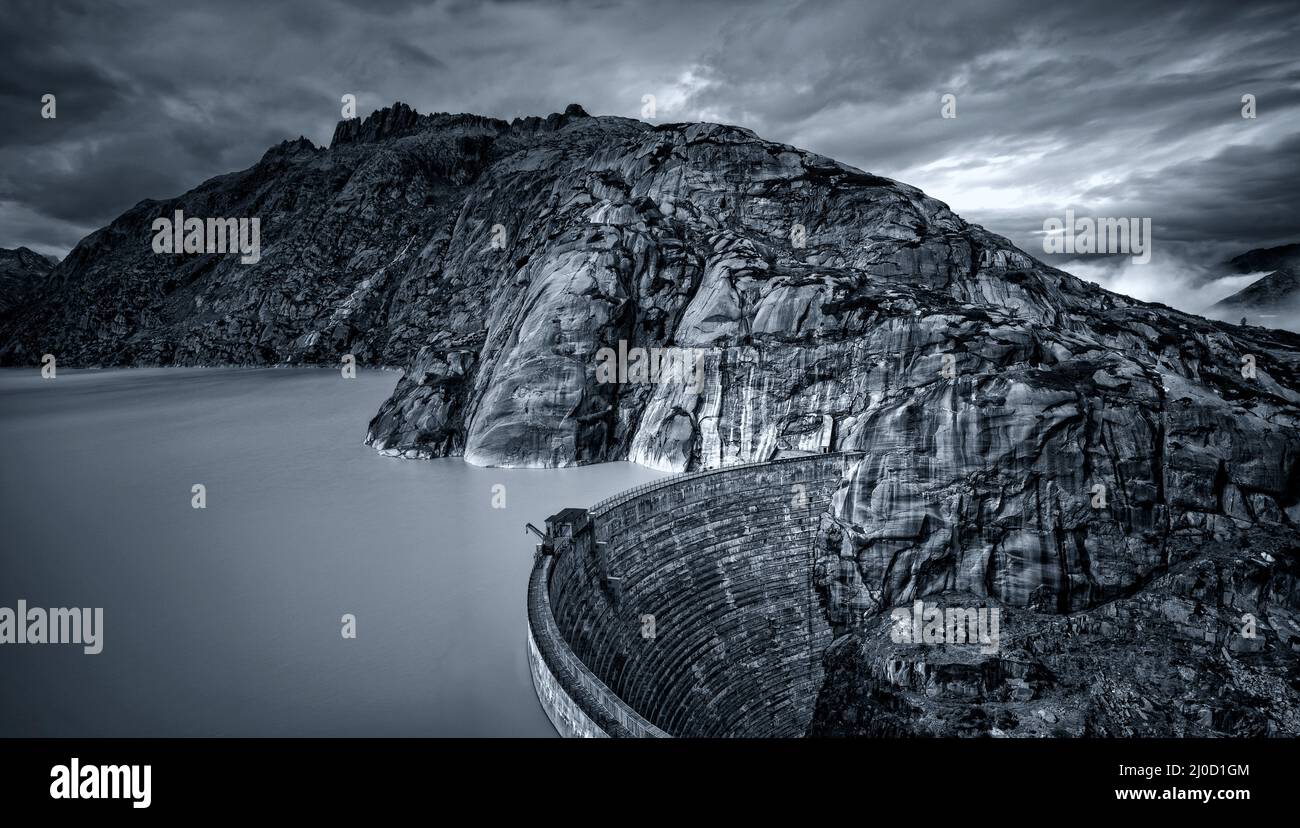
(20, 268)
(1272, 301)
(1267, 259)
(1279, 289)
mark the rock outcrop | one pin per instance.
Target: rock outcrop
(1110, 473)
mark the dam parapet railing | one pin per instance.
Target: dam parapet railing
(605, 506)
(575, 699)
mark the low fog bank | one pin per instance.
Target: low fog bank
(1191, 281)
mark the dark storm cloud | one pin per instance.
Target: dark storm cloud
(1118, 108)
(1241, 192)
(1051, 100)
(155, 98)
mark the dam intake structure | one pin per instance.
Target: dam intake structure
(687, 606)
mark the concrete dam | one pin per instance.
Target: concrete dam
(685, 607)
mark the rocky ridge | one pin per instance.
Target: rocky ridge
(1266, 259)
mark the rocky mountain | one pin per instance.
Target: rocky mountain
(1279, 290)
(1122, 479)
(352, 239)
(20, 270)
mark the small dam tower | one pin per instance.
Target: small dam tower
(568, 530)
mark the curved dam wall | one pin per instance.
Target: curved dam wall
(686, 607)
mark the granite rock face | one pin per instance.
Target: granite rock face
(1123, 487)
(1097, 467)
(1206, 647)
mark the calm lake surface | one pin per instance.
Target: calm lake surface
(225, 621)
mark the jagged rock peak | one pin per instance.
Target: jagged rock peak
(291, 149)
(382, 123)
(400, 119)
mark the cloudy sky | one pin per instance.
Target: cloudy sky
(1110, 108)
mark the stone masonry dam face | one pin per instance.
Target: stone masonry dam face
(687, 607)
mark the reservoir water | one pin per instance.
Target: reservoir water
(226, 621)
